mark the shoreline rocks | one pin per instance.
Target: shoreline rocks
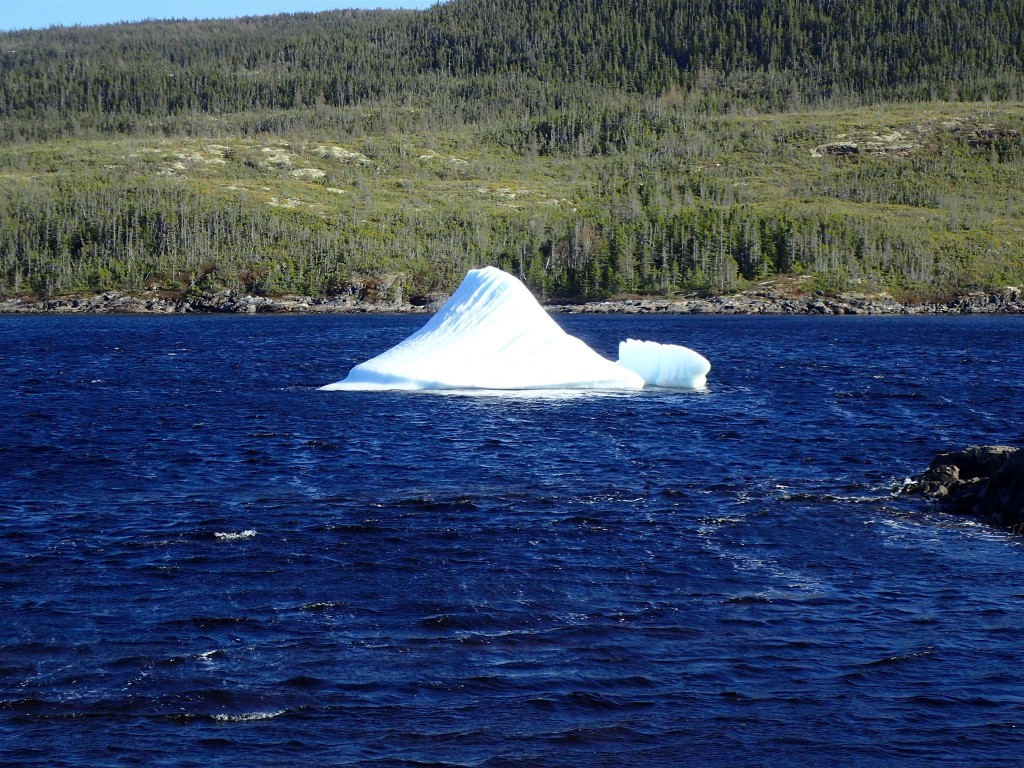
(985, 481)
(115, 302)
(1006, 301)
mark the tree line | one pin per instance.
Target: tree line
(473, 60)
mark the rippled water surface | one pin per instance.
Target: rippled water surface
(204, 561)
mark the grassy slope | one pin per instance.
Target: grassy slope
(430, 206)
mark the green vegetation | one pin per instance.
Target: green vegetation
(594, 148)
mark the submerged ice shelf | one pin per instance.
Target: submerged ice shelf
(492, 334)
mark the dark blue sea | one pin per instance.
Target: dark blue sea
(204, 561)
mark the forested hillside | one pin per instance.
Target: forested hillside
(646, 146)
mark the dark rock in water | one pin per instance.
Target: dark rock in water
(982, 480)
(1004, 493)
(976, 461)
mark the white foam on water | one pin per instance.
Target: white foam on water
(248, 717)
(234, 536)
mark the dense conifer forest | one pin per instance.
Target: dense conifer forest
(593, 147)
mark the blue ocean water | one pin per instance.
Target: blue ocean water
(204, 561)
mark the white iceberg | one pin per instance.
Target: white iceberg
(664, 365)
(492, 334)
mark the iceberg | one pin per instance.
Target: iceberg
(664, 365)
(493, 335)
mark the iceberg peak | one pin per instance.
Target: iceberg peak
(492, 334)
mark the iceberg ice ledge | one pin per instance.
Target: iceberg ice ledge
(492, 334)
(664, 365)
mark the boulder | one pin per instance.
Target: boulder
(1002, 497)
(986, 481)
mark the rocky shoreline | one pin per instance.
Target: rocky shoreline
(1005, 301)
(228, 302)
